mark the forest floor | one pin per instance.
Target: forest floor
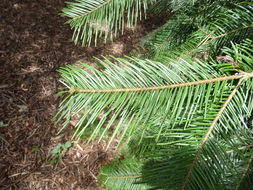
(34, 43)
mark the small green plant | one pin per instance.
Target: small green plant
(35, 148)
(59, 151)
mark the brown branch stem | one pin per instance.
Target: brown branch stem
(232, 31)
(240, 148)
(223, 78)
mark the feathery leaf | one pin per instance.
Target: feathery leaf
(93, 19)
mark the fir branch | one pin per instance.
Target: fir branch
(232, 77)
(93, 10)
(209, 132)
(246, 170)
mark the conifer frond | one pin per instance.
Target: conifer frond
(246, 177)
(93, 19)
(205, 112)
(210, 156)
(122, 174)
(185, 117)
(223, 161)
(131, 91)
(208, 33)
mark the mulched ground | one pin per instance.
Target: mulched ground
(34, 43)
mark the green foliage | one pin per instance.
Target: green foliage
(222, 159)
(204, 29)
(122, 174)
(35, 148)
(188, 105)
(184, 117)
(59, 151)
(147, 77)
(91, 19)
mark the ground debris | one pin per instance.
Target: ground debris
(34, 43)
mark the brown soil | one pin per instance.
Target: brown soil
(34, 43)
